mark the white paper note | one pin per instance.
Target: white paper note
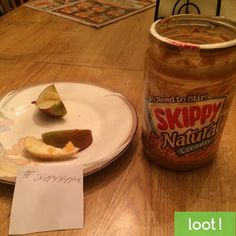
(47, 197)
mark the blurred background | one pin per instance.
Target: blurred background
(225, 8)
(164, 8)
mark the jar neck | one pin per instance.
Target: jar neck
(195, 31)
(197, 64)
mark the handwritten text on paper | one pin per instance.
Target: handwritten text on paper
(34, 175)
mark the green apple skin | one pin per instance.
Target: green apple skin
(80, 138)
(57, 110)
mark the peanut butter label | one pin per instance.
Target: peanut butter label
(185, 124)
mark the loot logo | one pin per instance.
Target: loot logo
(188, 126)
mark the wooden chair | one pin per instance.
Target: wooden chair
(14, 3)
(8, 5)
(2, 5)
(184, 8)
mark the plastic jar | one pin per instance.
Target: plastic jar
(190, 75)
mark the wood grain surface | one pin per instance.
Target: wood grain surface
(132, 196)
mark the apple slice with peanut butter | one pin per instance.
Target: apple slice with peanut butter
(58, 145)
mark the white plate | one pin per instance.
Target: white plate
(109, 115)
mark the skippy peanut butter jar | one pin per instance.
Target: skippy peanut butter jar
(190, 77)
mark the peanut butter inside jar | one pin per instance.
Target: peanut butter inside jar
(190, 79)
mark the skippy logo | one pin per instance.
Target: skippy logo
(186, 126)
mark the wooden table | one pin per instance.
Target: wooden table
(131, 196)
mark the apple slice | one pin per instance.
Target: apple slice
(50, 102)
(47, 152)
(80, 138)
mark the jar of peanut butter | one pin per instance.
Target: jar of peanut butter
(190, 80)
